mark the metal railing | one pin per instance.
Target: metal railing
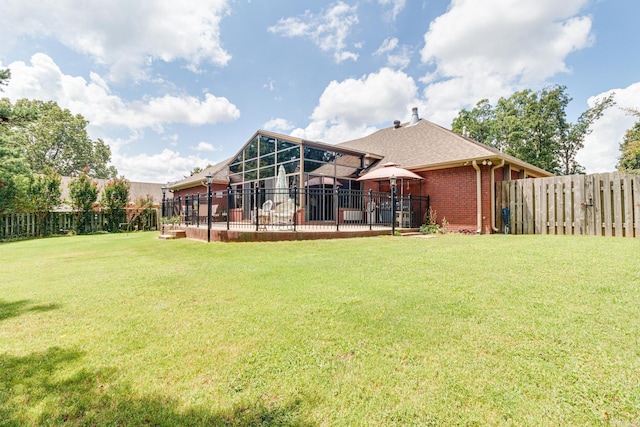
(294, 209)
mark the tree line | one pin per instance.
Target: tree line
(41, 142)
(533, 127)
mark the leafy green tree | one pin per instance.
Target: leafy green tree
(115, 196)
(572, 140)
(533, 127)
(13, 165)
(42, 194)
(83, 192)
(478, 124)
(59, 139)
(5, 75)
(143, 205)
(629, 159)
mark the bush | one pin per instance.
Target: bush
(430, 225)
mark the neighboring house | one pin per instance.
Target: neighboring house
(459, 173)
(137, 190)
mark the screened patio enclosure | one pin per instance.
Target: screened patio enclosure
(277, 182)
(314, 170)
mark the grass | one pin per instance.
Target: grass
(456, 330)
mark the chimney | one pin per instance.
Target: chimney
(396, 124)
(414, 116)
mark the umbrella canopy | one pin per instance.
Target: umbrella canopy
(282, 188)
(386, 171)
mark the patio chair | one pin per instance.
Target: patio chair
(283, 213)
(264, 214)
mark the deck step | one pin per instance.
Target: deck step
(174, 234)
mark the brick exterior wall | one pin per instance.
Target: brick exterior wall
(453, 195)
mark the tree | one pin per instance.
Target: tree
(115, 196)
(13, 165)
(41, 195)
(143, 204)
(629, 159)
(59, 139)
(478, 123)
(533, 127)
(198, 169)
(83, 192)
(573, 140)
(5, 75)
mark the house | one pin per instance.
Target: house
(459, 176)
(459, 173)
(138, 190)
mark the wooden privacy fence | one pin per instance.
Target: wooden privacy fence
(26, 225)
(603, 204)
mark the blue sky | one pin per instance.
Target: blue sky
(175, 85)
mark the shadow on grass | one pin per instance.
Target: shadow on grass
(35, 391)
(16, 308)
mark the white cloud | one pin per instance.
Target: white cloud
(352, 108)
(125, 36)
(205, 146)
(398, 5)
(388, 45)
(327, 30)
(602, 148)
(491, 48)
(395, 59)
(44, 80)
(167, 165)
(106, 112)
(279, 125)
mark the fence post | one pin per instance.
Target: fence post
(295, 207)
(229, 195)
(255, 208)
(336, 200)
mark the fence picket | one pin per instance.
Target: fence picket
(527, 207)
(24, 225)
(512, 206)
(627, 196)
(599, 204)
(616, 204)
(538, 212)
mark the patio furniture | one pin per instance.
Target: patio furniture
(264, 215)
(283, 213)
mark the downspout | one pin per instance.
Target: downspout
(493, 196)
(478, 195)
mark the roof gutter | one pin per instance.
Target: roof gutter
(493, 195)
(478, 195)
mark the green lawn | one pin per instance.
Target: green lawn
(455, 330)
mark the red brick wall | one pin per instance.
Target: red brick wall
(202, 190)
(453, 195)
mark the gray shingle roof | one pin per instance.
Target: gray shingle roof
(220, 172)
(427, 145)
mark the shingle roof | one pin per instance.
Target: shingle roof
(426, 145)
(137, 190)
(220, 172)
